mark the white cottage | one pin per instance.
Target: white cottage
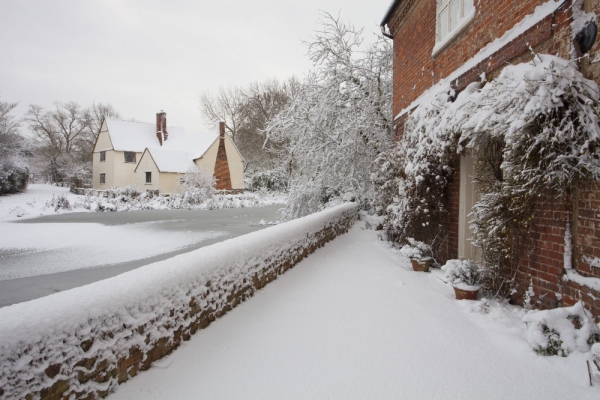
(155, 156)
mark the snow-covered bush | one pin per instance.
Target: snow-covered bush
(462, 273)
(561, 331)
(198, 186)
(14, 171)
(416, 250)
(59, 202)
(273, 180)
(414, 178)
(13, 177)
(547, 115)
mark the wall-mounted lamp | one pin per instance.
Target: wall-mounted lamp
(587, 36)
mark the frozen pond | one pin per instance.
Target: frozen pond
(49, 254)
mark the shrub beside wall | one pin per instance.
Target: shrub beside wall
(85, 341)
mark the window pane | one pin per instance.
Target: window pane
(444, 24)
(454, 14)
(148, 177)
(102, 178)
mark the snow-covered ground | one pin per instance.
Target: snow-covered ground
(353, 321)
(32, 202)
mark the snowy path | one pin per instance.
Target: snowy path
(354, 322)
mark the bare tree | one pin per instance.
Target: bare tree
(60, 129)
(262, 102)
(94, 116)
(246, 112)
(66, 137)
(224, 106)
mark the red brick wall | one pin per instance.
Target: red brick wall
(416, 70)
(586, 246)
(413, 42)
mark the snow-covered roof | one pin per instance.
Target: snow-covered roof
(139, 136)
(171, 161)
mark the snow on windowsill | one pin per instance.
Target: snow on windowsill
(450, 36)
(540, 12)
(572, 275)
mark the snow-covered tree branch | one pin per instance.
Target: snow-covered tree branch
(338, 121)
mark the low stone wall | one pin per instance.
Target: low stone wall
(83, 342)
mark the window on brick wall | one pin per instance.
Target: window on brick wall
(452, 16)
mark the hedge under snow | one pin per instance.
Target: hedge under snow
(48, 331)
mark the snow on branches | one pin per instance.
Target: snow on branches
(547, 114)
(338, 121)
(534, 135)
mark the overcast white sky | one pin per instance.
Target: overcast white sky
(143, 56)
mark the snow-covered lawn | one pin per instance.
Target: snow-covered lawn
(32, 203)
(353, 321)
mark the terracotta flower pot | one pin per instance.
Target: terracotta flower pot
(421, 264)
(465, 294)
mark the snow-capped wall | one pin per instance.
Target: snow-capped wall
(85, 341)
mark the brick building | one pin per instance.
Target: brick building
(457, 41)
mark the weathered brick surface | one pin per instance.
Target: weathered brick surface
(416, 70)
(413, 28)
(222, 173)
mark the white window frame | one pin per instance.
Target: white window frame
(103, 156)
(148, 172)
(466, 13)
(101, 180)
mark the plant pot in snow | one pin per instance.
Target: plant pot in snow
(419, 254)
(465, 278)
(464, 292)
(421, 264)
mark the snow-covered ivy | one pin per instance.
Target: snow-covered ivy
(534, 134)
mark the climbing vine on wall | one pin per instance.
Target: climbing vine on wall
(534, 135)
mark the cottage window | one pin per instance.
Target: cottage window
(148, 178)
(452, 16)
(102, 156)
(129, 157)
(102, 178)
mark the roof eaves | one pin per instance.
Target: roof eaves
(390, 12)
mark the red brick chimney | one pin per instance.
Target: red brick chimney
(161, 127)
(222, 173)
